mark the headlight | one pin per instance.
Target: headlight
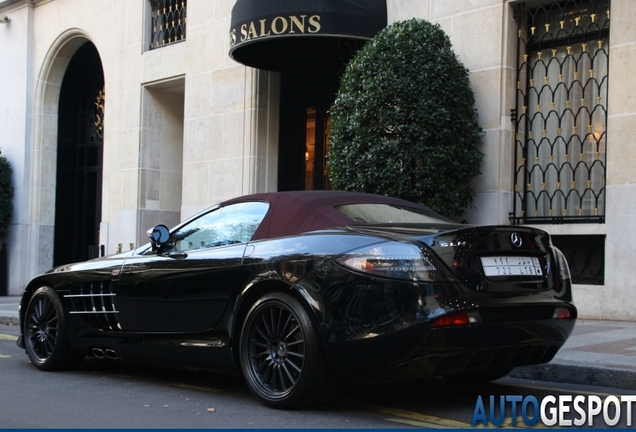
(395, 260)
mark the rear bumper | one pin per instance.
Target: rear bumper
(487, 347)
(475, 349)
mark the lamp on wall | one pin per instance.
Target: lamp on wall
(5, 20)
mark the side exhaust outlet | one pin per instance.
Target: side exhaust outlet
(105, 353)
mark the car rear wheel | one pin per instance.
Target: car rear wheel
(281, 359)
(46, 340)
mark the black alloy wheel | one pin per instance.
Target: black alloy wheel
(280, 356)
(45, 336)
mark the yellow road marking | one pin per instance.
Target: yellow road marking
(417, 423)
(8, 337)
(410, 417)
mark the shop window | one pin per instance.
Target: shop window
(168, 22)
(561, 112)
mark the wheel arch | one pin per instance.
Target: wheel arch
(250, 296)
(27, 294)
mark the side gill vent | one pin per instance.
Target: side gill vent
(95, 302)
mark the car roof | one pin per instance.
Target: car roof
(295, 212)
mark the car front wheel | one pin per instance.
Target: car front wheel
(281, 359)
(45, 336)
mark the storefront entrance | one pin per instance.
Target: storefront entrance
(307, 92)
(309, 42)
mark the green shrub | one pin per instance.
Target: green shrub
(404, 122)
(6, 196)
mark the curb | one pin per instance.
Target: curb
(574, 374)
(9, 320)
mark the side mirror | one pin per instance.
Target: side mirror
(159, 236)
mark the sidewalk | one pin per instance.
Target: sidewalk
(600, 353)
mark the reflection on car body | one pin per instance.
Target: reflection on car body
(301, 291)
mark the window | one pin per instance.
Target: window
(561, 112)
(585, 255)
(235, 223)
(168, 22)
(385, 213)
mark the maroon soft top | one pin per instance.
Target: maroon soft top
(296, 212)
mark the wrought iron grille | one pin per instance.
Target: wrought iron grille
(168, 21)
(98, 112)
(561, 112)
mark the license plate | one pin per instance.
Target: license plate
(511, 266)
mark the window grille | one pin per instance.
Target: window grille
(168, 22)
(561, 112)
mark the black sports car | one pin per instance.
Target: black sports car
(300, 291)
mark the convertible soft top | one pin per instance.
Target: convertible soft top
(295, 212)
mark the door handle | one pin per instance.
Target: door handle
(176, 255)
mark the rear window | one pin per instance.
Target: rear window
(388, 213)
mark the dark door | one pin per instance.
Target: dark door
(308, 89)
(185, 293)
(79, 158)
(185, 287)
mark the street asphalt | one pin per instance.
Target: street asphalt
(598, 353)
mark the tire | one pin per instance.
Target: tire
(281, 359)
(45, 337)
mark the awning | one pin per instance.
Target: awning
(268, 34)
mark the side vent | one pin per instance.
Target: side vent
(95, 302)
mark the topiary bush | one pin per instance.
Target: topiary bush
(404, 122)
(6, 196)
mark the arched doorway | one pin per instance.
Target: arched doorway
(78, 194)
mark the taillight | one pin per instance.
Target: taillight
(561, 313)
(396, 260)
(457, 319)
(562, 263)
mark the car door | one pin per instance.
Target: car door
(186, 286)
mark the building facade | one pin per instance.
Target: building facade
(118, 115)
